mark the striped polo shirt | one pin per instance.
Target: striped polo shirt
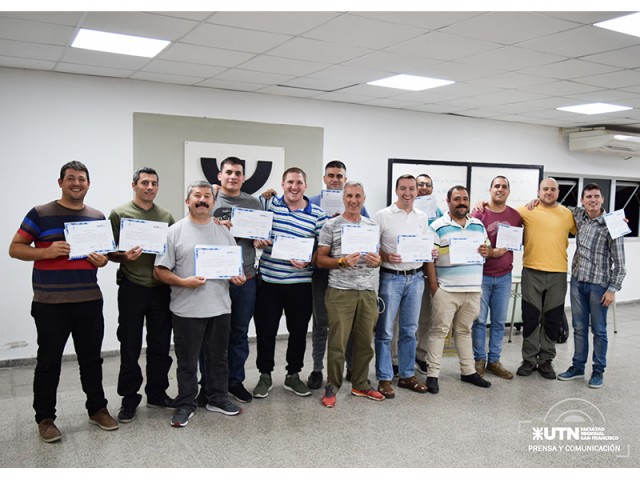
(457, 278)
(305, 223)
(59, 280)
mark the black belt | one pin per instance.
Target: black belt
(413, 271)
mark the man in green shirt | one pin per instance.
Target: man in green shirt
(140, 295)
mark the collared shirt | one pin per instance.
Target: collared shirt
(306, 223)
(394, 221)
(598, 259)
(457, 278)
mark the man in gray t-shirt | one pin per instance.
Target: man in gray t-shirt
(351, 298)
(201, 308)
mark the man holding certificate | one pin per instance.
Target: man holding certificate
(455, 281)
(401, 287)
(141, 296)
(497, 216)
(66, 300)
(285, 271)
(351, 299)
(196, 249)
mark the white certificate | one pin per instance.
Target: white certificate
(509, 237)
(218, 262)
(415, 248)
(247, 223)
(616, 224)
(359, 239)
(87, 237)
(331, 202)
(292, 248)
(427, 203)
(464, 251)
(150, 236)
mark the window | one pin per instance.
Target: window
(628, 198)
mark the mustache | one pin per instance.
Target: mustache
(201, 204)
(462, 205)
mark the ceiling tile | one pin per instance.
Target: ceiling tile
(230, 85)
(250, 76)
(620, 79)
(351, 74)
(288, 92)
(140, 24)
(266, 63)
(36, 32)
(317, 84)
(392, 62)
(624, 57)
(318, 51)
(291, 23)
(426, 20)
(443, 46)
(182, 68)
(586, 18)
(165, 78)
(93, 70)
(510, 80)
(567, 69)
(458, 72)
(232, 38)
(17, 62)
(39, 51)
(561, 88)
(205, 55)
(59, 18)
(80, 56)
(511, 58)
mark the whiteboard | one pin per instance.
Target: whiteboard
(523, 180)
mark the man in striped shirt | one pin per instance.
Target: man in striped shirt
(456, 289)
(66, 300)
(286, 284)
(597, 271)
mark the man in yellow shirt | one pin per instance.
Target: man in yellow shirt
(544, 278)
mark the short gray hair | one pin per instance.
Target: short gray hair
(352, 183)
(198, 184)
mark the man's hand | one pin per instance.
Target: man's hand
(394, 258)
(351, 260)
(299, 264)
(226, 223)
(133, 254)
(435, 253)
(373, 259)
(97, 259)
(57, 249)
(268, 194)
(608, 298)
(532, 204)
(261, 243)
(498, 252)
(480, 206)
(193, 282)
(484, 250)
(238, 280)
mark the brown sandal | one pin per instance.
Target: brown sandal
(413, 384)
(385, 388)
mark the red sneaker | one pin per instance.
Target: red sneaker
(371, 394)
(329, 397)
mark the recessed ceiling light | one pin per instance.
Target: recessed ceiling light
(629, 24)
(594, 108)
(118, 43)
(410, 82)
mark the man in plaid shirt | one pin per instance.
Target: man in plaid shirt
(597, 271)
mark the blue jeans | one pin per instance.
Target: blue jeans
(585, 303)
(243, 301)
(496, 292)
(403, 293)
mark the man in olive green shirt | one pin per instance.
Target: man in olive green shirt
(139, 296)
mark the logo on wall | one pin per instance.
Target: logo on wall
(263, 166)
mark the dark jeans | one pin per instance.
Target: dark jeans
(210, 334)
(136, 302)
(272, 298)
(243, 301)
(54, 323)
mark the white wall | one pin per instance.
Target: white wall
(47, 119)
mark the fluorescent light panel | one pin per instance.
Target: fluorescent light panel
(629, 24)
(118, 43)
(410, 82)
(594, 108)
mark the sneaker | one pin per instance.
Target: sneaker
(126, 414)
(596, 380)
(104, 420)
(314, 381)
(264, 386)
(181, 417)
(526, 368)
(201, 399)
(481, 367)
(292, 383)
(475, 379)
(422, 366)
(395, 370)
(228, 408)
(432, 385)
(499, 371)
(329, 397)
(167, 403)
(48, 431)
(546, 370)
(571, 374)
(370, 393)
(349, 374)
(240, 393)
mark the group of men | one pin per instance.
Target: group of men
(357, 299)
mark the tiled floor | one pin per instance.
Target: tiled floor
(462, 426)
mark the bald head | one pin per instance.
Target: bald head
(548, 192)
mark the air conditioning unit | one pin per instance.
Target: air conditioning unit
(601, 140)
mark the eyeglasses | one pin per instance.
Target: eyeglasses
(423, 184)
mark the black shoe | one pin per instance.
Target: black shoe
(348, 375)
(526, 369)
(546, 370)
(201, 399)
(476, 380)
(239, 393)
(126, 414)
(314, 381)
(432, 385)
(422, 366)
(167, 403)
(395, 370)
